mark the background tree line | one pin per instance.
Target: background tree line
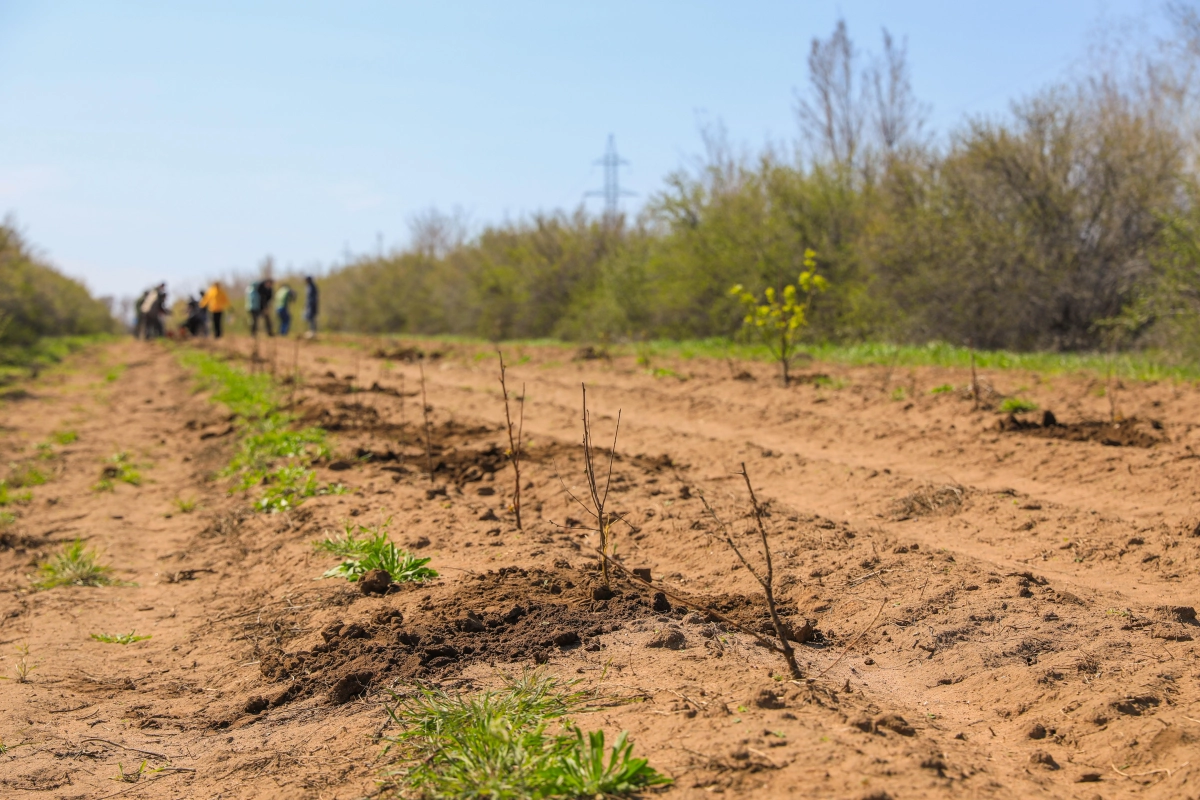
(1068, 224)
(36, 300)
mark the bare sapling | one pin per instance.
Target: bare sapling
(514, 443)
(765, 580)
(974, 382)
(428, 433)
(598, 497)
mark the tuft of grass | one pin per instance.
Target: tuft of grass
(945, 388)
(373, 551)
(899, 393)
(1017, 405)
(27, 475)
(23, 666)
(118, 468)
(184, 505)
(9, 497)
(76, 565)
(511, 743)
(7, 518)
(65, 437)
(120, 638)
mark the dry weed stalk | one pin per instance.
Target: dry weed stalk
(428, 435)
(514, 444)
(767, 581)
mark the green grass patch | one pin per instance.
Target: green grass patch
(1147, 365)
(119, 467)
(516, 742)
(945, 388)
(19, 360)
(120, 638)
(7, 518)
(75, 565)
(8, 497)
(185, 505)
(27, 475)
(363, 549)
(65, 437)
(267, 435)
(1017, 405)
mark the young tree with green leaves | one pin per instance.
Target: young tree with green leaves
(779, 319)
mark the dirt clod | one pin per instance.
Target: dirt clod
(256, 705)
(768, 698)
(350, 686)
(376, 581)
(1036, 731)
(894, 723)
(670, 638)
(661, 604)
(1043, 758)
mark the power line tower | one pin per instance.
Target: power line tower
(612, 192)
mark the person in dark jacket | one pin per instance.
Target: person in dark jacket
(311, 305)
(266, 290)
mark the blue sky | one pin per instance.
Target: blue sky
(182, 140)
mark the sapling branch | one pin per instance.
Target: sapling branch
(604, 520)
(692, 604)
(514, 444)
(767, 581)
(428, 435)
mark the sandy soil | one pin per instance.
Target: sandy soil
(998, 609)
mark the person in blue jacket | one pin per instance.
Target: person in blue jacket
(311, 305)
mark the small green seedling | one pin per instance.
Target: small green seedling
(65, 437)
(777, 321)
(185, 506)
(120, 638)
(375, 551)
(133, 777)
(23, 667)
(76, 565)
(945, 388)
(1017, 405)
(899, 393)
(9, 497)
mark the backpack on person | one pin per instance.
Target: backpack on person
(284, 297)
(253, 299)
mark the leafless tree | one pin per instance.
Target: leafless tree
(833, 115)
(898, 118)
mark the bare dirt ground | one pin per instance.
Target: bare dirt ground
(999, 609)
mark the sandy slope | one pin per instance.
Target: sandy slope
(1047, 594)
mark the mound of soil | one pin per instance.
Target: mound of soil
(1127, 433)
(408, 355)
(510, 616)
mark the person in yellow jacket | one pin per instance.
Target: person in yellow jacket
(215, 301)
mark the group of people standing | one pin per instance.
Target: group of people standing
(262, 298)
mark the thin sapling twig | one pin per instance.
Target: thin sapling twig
(514, 444)
(767, 581)
(428, 435)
